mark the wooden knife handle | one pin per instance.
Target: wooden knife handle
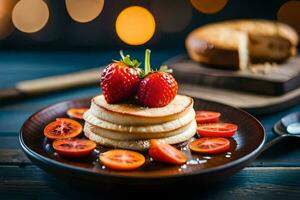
(60, 82)
(8, 94)
(50, 84)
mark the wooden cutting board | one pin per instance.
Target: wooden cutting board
(245, 90)
(279, 80)
(254, 104)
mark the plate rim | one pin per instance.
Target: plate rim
(50, 162)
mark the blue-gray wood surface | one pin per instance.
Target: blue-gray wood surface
(275, 174)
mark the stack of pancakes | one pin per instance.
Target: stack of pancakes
(130, 126)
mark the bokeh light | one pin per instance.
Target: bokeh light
(165, 13)
(6, 25)
(209, 6)
(56, 25)
(84, 10)
(135, 25)
(30, 16)
(289, 13)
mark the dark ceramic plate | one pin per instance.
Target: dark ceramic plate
(204, 169)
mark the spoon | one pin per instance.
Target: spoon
(288, 126)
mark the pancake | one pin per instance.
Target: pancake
(130, 136)
(132, 114)
(133, 130)
(139, 145)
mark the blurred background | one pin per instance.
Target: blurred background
(115, 24)
(42, 38)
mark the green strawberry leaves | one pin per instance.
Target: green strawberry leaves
(164, 68)
(134, 63)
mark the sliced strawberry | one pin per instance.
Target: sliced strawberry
(158, 88)
(166, 153)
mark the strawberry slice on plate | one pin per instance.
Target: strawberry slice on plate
(166, 153)
(62, 128)
(207, 116)
(208, 145)
(76, 113)
(217, 129)
(122, 160)
(74, 147)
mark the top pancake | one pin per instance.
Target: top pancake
(133, 114)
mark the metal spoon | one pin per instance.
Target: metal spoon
(288, 126)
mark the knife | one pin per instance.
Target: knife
(50, 84)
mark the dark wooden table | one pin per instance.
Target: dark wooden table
(275, 174)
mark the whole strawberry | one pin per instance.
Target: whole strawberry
(158, 88)
(120, 79)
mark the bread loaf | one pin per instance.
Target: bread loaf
(234, 44)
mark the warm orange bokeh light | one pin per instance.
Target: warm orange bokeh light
(30, 16)
(6, 25)
(135, 25)
(209, 6)
(289, 13)
(84, 10)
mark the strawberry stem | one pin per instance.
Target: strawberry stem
(147, 62)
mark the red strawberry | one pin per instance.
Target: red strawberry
(158, 88)
(120, 79)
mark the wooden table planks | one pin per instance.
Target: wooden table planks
(275, 174)
(263, 183)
